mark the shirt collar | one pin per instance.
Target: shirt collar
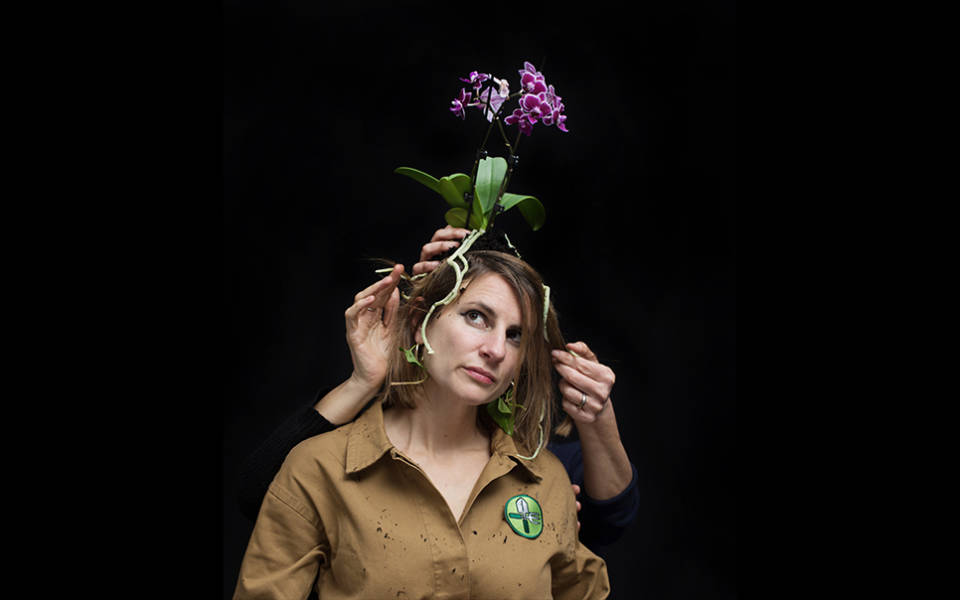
(367, 441)
(503, 445)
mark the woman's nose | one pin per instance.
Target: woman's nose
(494, 347)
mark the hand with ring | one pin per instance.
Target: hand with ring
(585, 383)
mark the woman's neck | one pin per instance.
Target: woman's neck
(437, 426)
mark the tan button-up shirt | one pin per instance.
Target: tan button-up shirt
(350, 514)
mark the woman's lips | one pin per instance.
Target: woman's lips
(480, 375)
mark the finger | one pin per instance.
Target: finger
(390, 310)
(432, 249)
(577, 415)
(450, 233)
(390, 279)
(373, 288)
(592, 369)
(584, 383)
(572, 397)
(425, 266)
(578, 506)
(576, 489)
(578, 526)
(383, 294)
(352, 313)
(583, 350)
(574, 394)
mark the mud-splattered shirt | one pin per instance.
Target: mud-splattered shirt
(350, 514)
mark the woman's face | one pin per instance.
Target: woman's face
(476, 341)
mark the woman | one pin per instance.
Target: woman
(595, 454)
(423, 494)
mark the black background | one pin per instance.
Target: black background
(639, 247)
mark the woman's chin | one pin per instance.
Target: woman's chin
(473, 394)
(478, 400)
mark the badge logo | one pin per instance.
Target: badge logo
(524, 515)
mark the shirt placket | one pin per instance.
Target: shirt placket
(451, 559)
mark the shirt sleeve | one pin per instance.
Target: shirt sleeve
(258, 470)
(584, 577)
(286, 549)
(578, 573)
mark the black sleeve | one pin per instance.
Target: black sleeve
(602, 522)
(259, 469)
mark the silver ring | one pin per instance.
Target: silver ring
(583, 400)
(370, 309)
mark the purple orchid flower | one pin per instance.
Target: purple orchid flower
(552, 97)
(532, 80)
(495, 98)
(504, 86)
(535, 107)
(555, 116)
(531, 84)
(459, 104)
(476, 79)
(539, 102)
(518, 117)
(561, 125)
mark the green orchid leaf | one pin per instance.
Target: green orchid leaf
(450, 193)
(456, 217)
(411, 357)
(490, 174)
(419, 176)
(478, 220)
(503, 407)
(530, 207)
(461, 181)
(505, 422)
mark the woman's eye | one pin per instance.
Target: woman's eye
(514, 335)
(475, 317)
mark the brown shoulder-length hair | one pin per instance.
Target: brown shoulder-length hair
(535, 388)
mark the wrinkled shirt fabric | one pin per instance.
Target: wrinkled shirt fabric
(351, 517)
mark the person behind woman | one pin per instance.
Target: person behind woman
(423, 495)
(611, 498)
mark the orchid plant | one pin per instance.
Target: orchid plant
(478, 198)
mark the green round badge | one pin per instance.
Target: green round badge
(524, 516)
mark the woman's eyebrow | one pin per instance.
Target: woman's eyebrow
(487, 309)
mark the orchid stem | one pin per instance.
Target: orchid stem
(473, 172)
(504, 134)
(511, 149)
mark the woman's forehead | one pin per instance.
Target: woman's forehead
(492, 290)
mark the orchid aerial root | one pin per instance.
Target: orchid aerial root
(452, 261)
